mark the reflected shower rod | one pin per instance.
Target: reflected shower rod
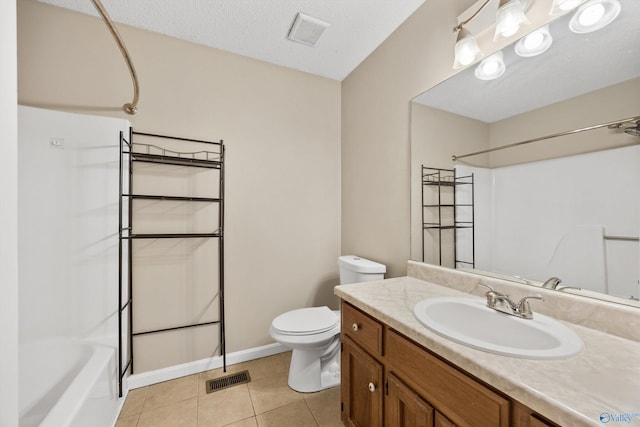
(611, 125)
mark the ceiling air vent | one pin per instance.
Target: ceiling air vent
(307, 29)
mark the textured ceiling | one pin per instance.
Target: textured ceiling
(259, 28)
(574, 64)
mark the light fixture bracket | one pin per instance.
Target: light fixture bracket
(481, 16)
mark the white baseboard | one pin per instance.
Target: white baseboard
(159, 375)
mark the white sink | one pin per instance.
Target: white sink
(470, 322)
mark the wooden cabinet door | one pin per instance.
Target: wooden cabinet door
(404, 408)
(361, 388)
(455, 394)
(442, 421)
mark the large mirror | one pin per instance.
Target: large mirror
(565, 207)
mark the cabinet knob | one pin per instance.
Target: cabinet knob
(355, 327)
(372, 387)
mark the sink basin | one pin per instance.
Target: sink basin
(470, 322)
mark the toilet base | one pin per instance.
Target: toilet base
(315, 370)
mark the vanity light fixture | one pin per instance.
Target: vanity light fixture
(560, 6)
(594, 15)
(467, 50)
(510, 17)
(491, 67)
(534, 43)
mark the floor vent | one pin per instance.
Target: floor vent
(228, 381)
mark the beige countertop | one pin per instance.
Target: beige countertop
(603, 379)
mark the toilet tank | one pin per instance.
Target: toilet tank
(354, 269)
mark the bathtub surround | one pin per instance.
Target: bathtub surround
(538, 202)
(9, 215)
(574, 391)
(68, 266)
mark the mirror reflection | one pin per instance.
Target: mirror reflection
(561, 212)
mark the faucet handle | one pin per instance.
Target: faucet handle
(490, 295)
(524, 309)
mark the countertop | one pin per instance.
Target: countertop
(604, 380)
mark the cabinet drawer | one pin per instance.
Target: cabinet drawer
(362, 329)
(463, 400)
(525, 417)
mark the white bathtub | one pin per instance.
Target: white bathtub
(76, 386)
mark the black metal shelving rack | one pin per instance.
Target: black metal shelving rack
(442, 179)
(154, 154)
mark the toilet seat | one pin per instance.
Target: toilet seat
(306, 321)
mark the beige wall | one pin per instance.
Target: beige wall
(9, 215)
(601, 106)
(376, 127)
(282, 130)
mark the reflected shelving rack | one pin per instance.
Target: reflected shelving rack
(447, 205)
(148, 148)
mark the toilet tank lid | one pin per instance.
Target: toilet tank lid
(360, 265)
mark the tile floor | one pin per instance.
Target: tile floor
(266, 401)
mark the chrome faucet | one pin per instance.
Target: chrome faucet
(502, 303)
(551, 283)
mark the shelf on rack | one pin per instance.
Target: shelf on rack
(434, 226)
(172, 235)
(172, 198)
(445, 183)
(215, 322)
(173, 160)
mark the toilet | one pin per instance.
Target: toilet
(314, 333)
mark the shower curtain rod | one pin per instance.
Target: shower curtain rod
(612, 125)
(623, 238)
(132, 107)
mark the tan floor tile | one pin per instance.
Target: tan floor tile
(295, 414)
(249, 422)
(130, 421)
(272, 392)
(183, 402)
(169, 392)
(133, 403)
(325, 407)
(224, 407)
(181, 414)
(276, 365)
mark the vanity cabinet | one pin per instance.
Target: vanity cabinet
(363, 377)
(361, 373)
(388, 380)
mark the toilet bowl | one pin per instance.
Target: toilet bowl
(314, 333)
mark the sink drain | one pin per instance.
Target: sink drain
(221, 383)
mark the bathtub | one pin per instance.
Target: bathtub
(76, 386)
